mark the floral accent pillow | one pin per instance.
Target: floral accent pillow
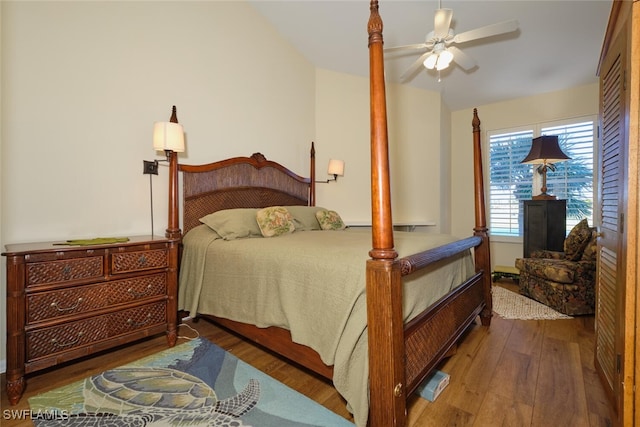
(330, 220)
(275, 221)
(577, 240)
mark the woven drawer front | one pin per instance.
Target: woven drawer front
(39, 273)
(138, 288)
(65, 337)
(81, 299)
(133, 261)
(137, 318)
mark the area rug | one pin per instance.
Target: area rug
(510, 305)
(193, 384)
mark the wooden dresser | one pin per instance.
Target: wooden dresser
(65, 302)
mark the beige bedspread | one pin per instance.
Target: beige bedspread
(311, 283)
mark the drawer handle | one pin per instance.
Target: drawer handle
(130, 321)
(68, 344)
(142, 260)
(66, 270)
(146, 291)
(73, 307)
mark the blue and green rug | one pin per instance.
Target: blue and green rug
(193, 384)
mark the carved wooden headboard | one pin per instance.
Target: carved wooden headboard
(242, 182)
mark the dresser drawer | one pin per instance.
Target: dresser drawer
(127, 262)
(142, 317)
(81, 299)
(46, 341)
(40, 273)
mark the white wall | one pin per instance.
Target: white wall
(342, 132)
(84, 82)
(416, 151)
(576, 102)
(342, 125)
(445, 170)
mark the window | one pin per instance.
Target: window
(511, 182)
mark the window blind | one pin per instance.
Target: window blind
(511, 182)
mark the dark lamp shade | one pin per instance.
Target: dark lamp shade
(545, 149)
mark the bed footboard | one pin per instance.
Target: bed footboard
(429, 337)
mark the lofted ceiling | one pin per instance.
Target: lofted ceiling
(557, 45)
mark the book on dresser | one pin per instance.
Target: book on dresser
(66, 301)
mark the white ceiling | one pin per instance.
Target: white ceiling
(557, 45)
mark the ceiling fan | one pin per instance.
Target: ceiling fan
(439, 44)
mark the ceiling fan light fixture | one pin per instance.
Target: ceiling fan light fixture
(437, 55)
(441, 65)
(444, 59)
(431, 61)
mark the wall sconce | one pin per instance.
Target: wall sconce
(545, 151)
(167, 137)
(335, 168)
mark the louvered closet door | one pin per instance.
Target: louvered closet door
(611, 188)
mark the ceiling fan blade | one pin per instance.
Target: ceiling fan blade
(406, 47)
(414, 67)
(488, 31)
(461, 58)
(442, 22)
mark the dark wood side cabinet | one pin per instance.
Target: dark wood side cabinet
(544, 225)
(65, 302)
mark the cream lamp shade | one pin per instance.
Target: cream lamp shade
(336, 167)
(168, 136)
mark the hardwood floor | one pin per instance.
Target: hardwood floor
(521, 373)
(516, 373)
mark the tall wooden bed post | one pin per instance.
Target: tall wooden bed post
(173, 225)
(387, 362)
(312, 169)
(174, 234)
(384, 281)
(482, 252)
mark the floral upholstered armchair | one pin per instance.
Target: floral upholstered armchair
(564, 281)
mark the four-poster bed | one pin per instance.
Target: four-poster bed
(403, 347)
